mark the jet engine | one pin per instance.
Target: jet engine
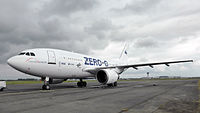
(107, 76)
(56, 81)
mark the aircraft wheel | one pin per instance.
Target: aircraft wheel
(46, 87)
(84, 84)
(110, 85)
(81, 84)
(115, 83)
(1, 89)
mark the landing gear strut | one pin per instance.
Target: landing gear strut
(81, 83)
(46, 84)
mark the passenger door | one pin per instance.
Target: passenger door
(51, 57)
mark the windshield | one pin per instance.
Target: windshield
(32, 54)
(27, 53)
(21, 53)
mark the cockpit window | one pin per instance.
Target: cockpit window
(22, 53)
(32, 54)
(28, 54)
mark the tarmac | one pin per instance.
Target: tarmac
(161, 96)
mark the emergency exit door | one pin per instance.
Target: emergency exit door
(51, 57)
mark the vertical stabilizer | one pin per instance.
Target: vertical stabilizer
(124, 55)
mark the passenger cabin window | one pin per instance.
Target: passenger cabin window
(28, 54)
(32, 54)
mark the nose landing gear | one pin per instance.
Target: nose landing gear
(46, 84)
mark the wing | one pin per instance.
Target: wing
(135, 66)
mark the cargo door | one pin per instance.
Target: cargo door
(51, 57)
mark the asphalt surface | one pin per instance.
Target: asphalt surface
(168, 96)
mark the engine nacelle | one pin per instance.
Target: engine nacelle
(56, 81)
(107, 76)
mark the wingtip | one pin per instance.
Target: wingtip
(190, 60)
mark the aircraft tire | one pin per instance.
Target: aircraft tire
(110, 85)
(115, 84)
(82, 84)
(46, 87)
(79, 84)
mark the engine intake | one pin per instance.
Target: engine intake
(107, 76)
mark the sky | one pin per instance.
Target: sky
(156, 30)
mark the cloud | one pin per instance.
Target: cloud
(156, 30)
(100, 28)
(146, 43)
(66, 7)
(139, 6)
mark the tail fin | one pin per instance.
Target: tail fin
(124, 55)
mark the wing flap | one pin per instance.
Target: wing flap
(158, 63)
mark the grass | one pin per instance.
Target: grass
(158, 79)
(23, 82)
(36, 82)
(199, 84)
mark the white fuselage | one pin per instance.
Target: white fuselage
(55, 63)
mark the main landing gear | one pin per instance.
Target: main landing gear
(112, 84)
(81, 83)
(46, 84)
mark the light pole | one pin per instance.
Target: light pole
(147, 74)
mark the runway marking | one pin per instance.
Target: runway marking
(28, 92)
(124, 110)
(138, 86)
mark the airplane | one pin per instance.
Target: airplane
(55, 66)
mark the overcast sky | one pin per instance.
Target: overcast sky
(157, 30)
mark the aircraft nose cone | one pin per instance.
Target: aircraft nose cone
(10, 61)
(17, 62)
